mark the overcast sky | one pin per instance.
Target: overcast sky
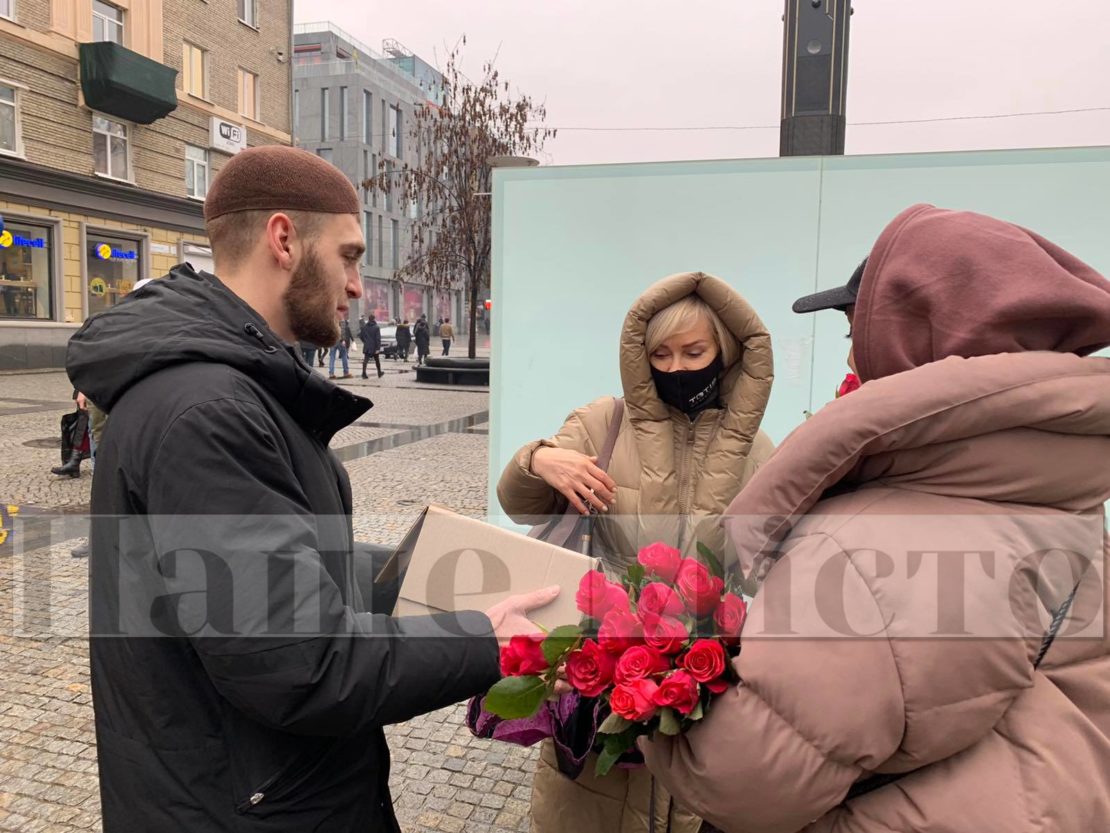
(711, 63)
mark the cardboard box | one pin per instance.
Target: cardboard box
(449, 562)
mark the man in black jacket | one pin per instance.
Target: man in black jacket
(371, 336)
(239, 683)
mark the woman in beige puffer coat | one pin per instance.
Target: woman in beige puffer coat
(674, 468)
(916, 537)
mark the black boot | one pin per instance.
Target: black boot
(72, 467)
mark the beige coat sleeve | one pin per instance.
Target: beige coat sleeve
(525, 496)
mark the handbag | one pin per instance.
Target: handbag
(572, 530)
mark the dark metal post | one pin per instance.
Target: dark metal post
(814, 77)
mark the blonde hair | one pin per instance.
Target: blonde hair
(686, 314)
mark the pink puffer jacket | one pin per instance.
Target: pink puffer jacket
(915, 537)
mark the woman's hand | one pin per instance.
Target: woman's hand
(576, 477)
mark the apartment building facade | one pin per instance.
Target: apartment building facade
(114, 117)
(354, 107)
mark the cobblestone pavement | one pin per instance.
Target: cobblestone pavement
(416, 446)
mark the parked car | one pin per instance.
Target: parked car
(389, 341)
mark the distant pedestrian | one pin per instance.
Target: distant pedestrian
(371, 336)
(447, 334)
(342, 347)
(404, 340)
(422, 335)
(308, 352)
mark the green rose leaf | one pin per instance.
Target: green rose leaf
(636, 575)
(711, 560)
(559, 642)
(515, 697)
(668, 722)
(615, 746)
(697, 714)
(614, 724)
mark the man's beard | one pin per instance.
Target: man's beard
(308, 307)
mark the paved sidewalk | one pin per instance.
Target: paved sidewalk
(417, 445)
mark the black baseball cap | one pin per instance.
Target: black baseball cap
(840, 298)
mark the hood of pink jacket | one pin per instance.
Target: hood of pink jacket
(942, 283)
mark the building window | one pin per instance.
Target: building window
(374, 190)
(325, 113)
(342, 113)
(368, 233)
(26, 271)
(248, 94)
(395, 241)
(7, 9)
(324, 153)
(395, 130)
(248, 12)
(111, 149)
(196, 171)
(107, 23)
(381, 236)
(387, 201)
(10, 141)
(112, 266)
(385, 133)
(193, 62)
(367, 111)
(296, 111)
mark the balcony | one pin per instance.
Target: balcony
(122, 83)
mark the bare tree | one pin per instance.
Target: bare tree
(448, 187)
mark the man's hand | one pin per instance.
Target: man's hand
(82, 402)
(576, 477)
(509, 618)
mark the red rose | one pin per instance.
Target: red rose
(661, 599)
(729, 619)
(634, 701)
(639, 663)
(705, 660)
(700, 590)
(679, 691)
(619, 631)
(597, 595)
(589, 669)
(851, 382)
(660, 560)
(664, 633)
(523, 656)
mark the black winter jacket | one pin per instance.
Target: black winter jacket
(371, 335)
(237, 683)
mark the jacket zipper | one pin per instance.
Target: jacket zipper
(684, 479)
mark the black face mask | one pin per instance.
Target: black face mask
(691, 391)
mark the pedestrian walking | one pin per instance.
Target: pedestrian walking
(239, 683)
(370, 334)
(447, 334)
(422, 335)
(341, 348)
(404, 339)
(308, 352)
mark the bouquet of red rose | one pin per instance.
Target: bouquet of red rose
(655, 649)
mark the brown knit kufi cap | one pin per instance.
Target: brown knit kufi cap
(279, 178)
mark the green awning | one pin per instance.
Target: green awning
(122, 83)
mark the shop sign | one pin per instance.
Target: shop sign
(98, 287)
(105, 252)
(7, 240)
(227, 136)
